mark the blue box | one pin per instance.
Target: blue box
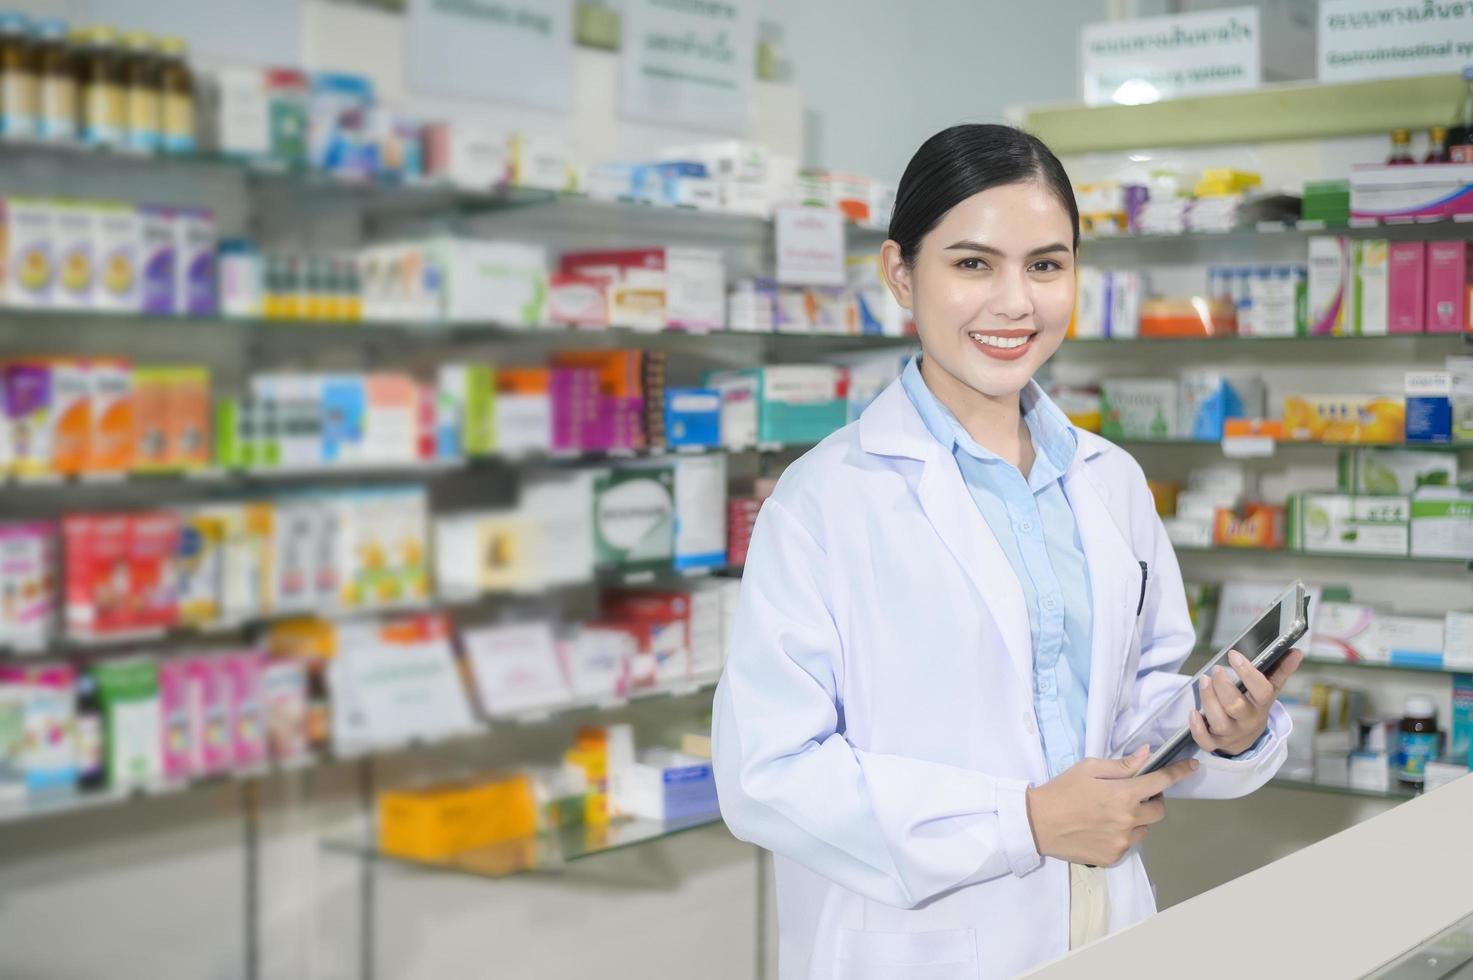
(1429, 406)
(692, 417)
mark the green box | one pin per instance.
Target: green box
(634, 517)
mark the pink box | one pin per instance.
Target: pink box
(177, 708)
(243, 688)
(1406, 287)
(210, 713)
(1447, 286)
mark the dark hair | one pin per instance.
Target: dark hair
(965, 160)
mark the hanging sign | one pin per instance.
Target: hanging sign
(1366, 39)
(503, 50)
(1132, 62)
(689, 63)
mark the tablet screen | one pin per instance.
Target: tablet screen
(1171, 717)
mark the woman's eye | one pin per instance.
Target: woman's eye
(971, 265)
(1047, 265)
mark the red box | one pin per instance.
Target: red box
(153, 540)
(98, 575)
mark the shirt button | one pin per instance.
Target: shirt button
(1050, 603)
(1026, 527)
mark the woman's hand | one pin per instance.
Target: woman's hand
(1096, 811)
(1231, 720)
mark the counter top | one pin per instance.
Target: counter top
(1340, 908)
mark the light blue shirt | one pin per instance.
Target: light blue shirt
(1035, 526)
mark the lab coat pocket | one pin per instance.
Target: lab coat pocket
(950, 954)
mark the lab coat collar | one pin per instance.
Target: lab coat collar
(891, 426)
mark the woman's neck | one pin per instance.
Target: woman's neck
(994, 423)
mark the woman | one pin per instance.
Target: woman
(953, 611)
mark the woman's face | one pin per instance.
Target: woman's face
(992, 286)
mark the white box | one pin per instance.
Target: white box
(1457, 641)
(1229, 479)
(1440, 772)
(707, 643)
(1331, 289)
(467, 154)
(76, 262)
(739, 402)
(1341, 524)
(499, 282)
(596, 662)
(117, 254)
(31, 253)
(237, 120)
(1370, 770)
(1203, 505)
(540, 162)
(1395, 471)
(752, 307)
(700, 511)
(1139, 408)
(1373, 282)
(516, 668)
(662, 785)
(1188, 532)
(1442, 523)
(523, 424)
(561, 507)
(695, 289)
(1091, 303)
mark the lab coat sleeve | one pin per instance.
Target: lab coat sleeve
(896, 830)
(1167, 638)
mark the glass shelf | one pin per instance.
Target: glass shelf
(1396, 792)
(1297, 444)
(1291, 230)
(1442, 340)
(1202, 653)
(1284, 553)
(547, 853)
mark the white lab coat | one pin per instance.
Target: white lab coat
(875, 729)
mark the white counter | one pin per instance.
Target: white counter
(1340, 908)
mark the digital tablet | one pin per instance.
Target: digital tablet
(1270, 637)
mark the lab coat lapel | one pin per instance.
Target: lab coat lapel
(1114, 578)
(892, 427)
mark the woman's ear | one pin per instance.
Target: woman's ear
(897, 272)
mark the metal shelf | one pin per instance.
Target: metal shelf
(1320, 556)
(1409, 230)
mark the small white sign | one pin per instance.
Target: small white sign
(1132, 62)
(810, 247)
(516, 669)
(507, 50)
(1366, 39)
(689, 63)
(391, 690)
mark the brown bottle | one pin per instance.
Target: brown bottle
(176, 92)
(17, 78)
(1436, 145)
(141, 92)
(1401, 148)
(102, 89)
(58, 83)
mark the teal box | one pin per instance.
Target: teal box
(800, 403)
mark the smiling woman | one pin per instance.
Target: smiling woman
(951, 613)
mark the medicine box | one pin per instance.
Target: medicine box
(158, 260)
(1372, 285)
(1208, 399)
(1406, 287)
(1460, 743)
(1442, 523)
(1457, 649)
(1449, 271)
(700, 512)
(1395, 471)
(498, 282)
(634, 516)
(75, 227)
(48, 751)
(663, 785)
(442, 819)
(1345, 418)
(1342, 524)
(467, 154)
(194, 263)
(1429, 406)
(129, 692)
(693, 417)
(118, 250)
(1139, 409)
(1331, 297)
(1355, 633)
(1460, 396)
(799, 403)
(30, 244)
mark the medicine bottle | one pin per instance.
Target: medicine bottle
(56, 77)
(17, 78)
(141, 92)
(102, 89)
(1436, 145)
(1419, 739)
(176, 89)
(1401, 147)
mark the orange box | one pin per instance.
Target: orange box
(1254, 526)
(1253, 428)
(1164, 493)
(71, 407)
(620, 372)
(114, 426)
(1350, 419)
(1194, 316)
(151, 419)
(447, 818)
(189, 417)
(524, 381)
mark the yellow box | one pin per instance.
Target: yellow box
(1353, 419)
(447, 818)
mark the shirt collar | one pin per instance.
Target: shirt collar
(1055, 439)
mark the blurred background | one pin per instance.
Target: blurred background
(390, 390)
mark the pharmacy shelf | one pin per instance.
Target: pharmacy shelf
(1269, 231)
(59, 804)
(1284, 553)
(444, 603)
(418, 333)
(1395, 792)
(1282, 111)
(548, 853)
(406, 472)
(299, 192)
(1204, 652)
(1451, 341)
(1458, 446)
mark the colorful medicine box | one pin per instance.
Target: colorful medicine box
(1449, 270)
(443, 819)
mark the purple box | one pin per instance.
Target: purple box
(160, 280)
(195, 260)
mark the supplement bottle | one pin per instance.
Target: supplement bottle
(176, 90)
(1401, 147)
(57, 81)
(102, 89)
(1419, 739)
(141, 92)
(1436, 145)
(17, 78)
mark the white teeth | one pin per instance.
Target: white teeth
(1006, 343)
